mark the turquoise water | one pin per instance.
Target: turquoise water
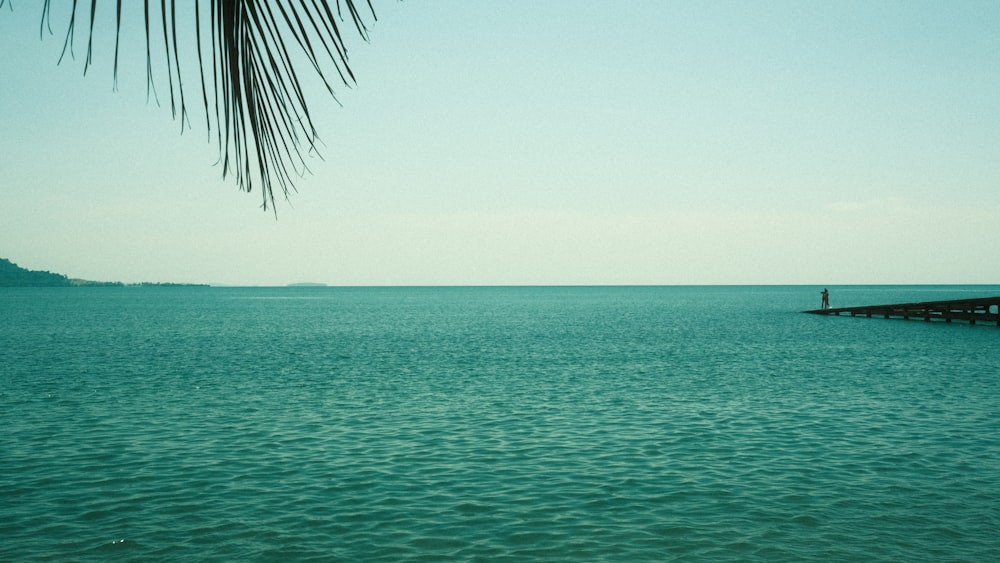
(494, 424)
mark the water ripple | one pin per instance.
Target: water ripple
(504, 428)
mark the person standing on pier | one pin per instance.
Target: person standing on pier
(825, 302)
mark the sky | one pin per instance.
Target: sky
(538, 143)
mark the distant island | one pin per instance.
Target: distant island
(12, 275)
(306, 284)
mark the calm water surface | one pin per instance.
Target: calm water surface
(494, 424)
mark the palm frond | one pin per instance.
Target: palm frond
(251, 87)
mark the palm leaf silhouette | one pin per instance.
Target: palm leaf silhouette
(250, 83)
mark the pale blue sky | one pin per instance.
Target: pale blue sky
(526, 142)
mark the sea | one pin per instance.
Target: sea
(709, 423)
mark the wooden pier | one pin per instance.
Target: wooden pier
(973, 311)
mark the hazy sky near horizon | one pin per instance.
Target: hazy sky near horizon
(525, 142)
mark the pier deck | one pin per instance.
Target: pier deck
(973, 311)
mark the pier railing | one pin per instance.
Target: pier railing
(973, 311)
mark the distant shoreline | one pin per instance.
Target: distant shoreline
(12, 275)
